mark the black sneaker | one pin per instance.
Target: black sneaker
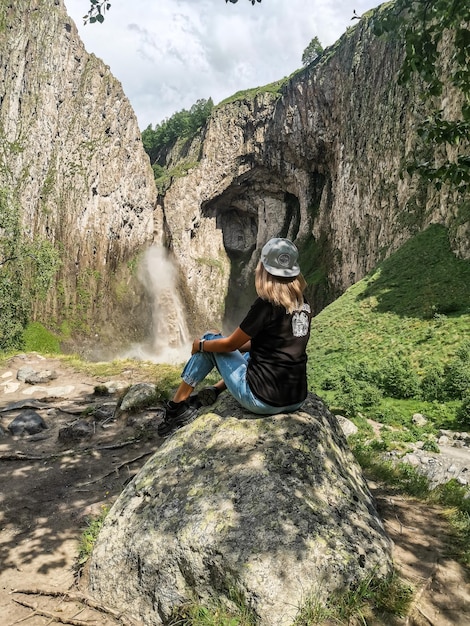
(208, 395)
(176, 415)
(194, 401)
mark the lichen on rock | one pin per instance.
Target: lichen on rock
(274, 507)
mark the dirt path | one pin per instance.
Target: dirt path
(49, 488)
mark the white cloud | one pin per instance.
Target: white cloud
(170, 53)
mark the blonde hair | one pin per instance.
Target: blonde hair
(285, 292)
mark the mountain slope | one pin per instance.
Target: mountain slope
(403, 332)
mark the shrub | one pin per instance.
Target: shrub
(365, 371)
(391, 415)
(457, 378)
(36, 338)
(431, 446)
(399, 380)
(463, 413)
(354, 395)
(432, 384)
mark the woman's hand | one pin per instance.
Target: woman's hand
(223, 344)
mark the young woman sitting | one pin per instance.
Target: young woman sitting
(263, 362)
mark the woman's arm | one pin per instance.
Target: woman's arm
(225, 344)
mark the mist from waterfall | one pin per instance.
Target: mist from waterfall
(170, 341)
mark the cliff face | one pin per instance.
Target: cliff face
(73, 160)
(322, 164)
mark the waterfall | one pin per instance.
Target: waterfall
(170, 342)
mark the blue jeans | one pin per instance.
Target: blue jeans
(232, 367)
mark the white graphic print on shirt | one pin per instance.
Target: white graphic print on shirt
(300, 321)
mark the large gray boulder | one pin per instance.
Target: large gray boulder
(275, 508)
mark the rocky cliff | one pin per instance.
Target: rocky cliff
(322, 163)
(73, 161)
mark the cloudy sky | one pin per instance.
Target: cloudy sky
(170, 53)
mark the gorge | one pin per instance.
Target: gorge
(320, 158)
(320, 161)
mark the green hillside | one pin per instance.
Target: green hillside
(398, 342)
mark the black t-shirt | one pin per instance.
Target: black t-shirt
(277, 369)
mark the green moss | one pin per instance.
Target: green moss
(38, 339)
(213, 263)
(163, 181)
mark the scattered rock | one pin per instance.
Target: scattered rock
(419, 419)
(139, 396)
(348, 427)
(77, 431)
(113, 386)
(103, 411)
(27, 423)
(51, 392)
(39, 378)
(24, 373)
(24, 404)
(10, 387)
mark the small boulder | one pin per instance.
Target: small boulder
(32, 377)
(419, 419)
(76, 431)
(139, 396)
(27, 423)
(348, 427)
(24, 373)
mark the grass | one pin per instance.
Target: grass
(235, 612)
(165, 176)
(250, 94)
(165, 377)
(371, 599)
(36, 338)
(451, 496)
(383, 348)
(89, 536)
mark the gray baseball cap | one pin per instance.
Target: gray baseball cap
(279, 257)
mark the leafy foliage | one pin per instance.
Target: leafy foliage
(36, 338)
(181, 125)
(463, 412)
(428, 27)
(98, 8)
(313, 51)
(96, 11)
(26, 271)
